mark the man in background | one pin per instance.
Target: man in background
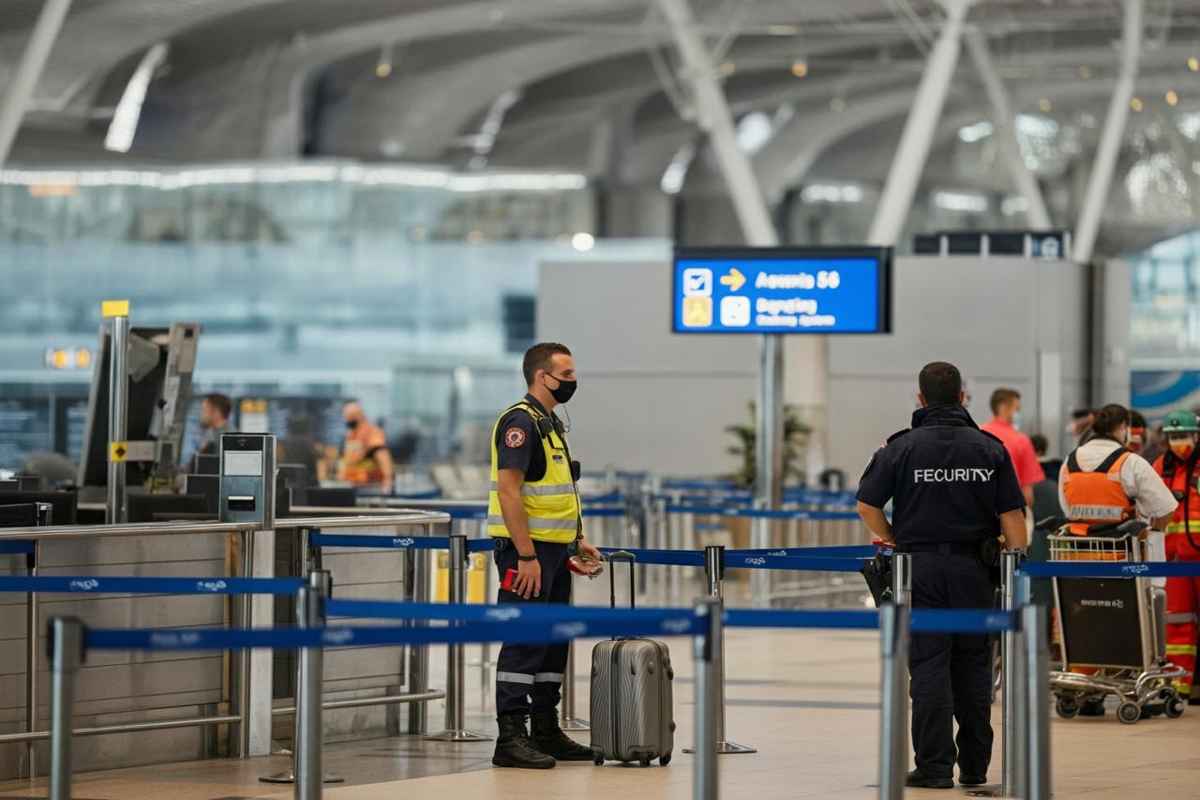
(1050, 466)
(1005, 426)
(366, 460)
(215, 411)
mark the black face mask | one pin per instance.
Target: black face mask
(351, 424)
(565, 390)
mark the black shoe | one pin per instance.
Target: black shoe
(920, 780)
(513, 747)
(971, 780)
(550, 739)
(1092, 708)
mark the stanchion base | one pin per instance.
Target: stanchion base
(290, 777)
(458, 736)
(727, 749)
(575, 724)
(985, 791)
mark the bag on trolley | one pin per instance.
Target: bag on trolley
(633, 700)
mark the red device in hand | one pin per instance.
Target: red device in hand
(510, 578)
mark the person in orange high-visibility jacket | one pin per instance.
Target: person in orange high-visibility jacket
(1179, 470)
(1102, 484)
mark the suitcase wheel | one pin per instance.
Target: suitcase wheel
(598, 760)
(645, 761)
(664, 759)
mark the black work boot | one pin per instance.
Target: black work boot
(550, 739)
(513, 747)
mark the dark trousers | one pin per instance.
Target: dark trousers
(529, 676)
(951, 673)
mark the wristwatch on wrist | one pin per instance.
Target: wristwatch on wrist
(527, 558)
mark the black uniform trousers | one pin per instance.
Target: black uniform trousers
(529, 676)
(951, 673)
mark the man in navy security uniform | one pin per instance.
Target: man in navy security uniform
(953, 488)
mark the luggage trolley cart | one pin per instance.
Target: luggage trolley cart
(1108, 631)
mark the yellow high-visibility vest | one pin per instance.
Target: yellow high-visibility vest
(551, 503)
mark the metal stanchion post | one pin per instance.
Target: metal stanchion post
(714, 573)
(455, 667)
(660, 540)
(705, 647)
(118, 408)
(66, 656)
(307, 747)
(893, 736)
(1009, 562)
(568, 721)
(308, 728)
(31, 663)
(1037, 705)
(246, 614)
(485, 649)
(418, 655)
(760, 539)
(902, 579)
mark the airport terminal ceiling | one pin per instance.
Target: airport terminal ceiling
(591, 86)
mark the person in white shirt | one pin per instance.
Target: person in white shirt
(1143, 489)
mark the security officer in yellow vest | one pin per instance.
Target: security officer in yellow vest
(535, 516)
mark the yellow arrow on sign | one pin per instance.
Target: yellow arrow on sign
(117, 452)
(734, 279)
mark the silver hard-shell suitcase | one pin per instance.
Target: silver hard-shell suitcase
(633, 704)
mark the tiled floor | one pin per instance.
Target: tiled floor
(807, 700)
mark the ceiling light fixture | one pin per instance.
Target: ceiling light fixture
(783, 30)
(1085, 72)
(1136, 104)
(1194, 64)
(1045, 105)
(123, 127)
(383, 67)
(727, 68)
(799, 68)
(1172, 97)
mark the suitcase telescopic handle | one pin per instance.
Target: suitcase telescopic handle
(631, 559)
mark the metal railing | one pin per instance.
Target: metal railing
(705, 622)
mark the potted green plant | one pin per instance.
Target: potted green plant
(795, 438)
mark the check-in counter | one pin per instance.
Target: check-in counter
(143, 708)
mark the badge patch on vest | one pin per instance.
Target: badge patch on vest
(514, 437)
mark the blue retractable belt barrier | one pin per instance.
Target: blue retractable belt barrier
(671, 558)
(16, 547)
(836, 551)
(388, 542)
(93, 584)
(762, 513)
(924, 620)
(1111, 569)
(481, 545)
(737, 561)
(755, 618)
(684, 622)
(472, 612)
(604, 511)
(970, 620)
(607, 497)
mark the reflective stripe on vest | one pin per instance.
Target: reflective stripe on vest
(551, 504)
(1096, 497)
(538, 490)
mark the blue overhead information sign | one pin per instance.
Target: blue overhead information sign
(782, 290)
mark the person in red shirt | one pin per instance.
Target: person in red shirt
(1005, 426)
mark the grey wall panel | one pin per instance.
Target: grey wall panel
(991, 317)
(648, 399)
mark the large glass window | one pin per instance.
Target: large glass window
(325, 281)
